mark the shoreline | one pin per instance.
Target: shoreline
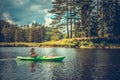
(24, 44)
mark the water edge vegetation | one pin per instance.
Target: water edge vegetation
(68, 43)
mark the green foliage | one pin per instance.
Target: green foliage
(14, 33)
(8, 33)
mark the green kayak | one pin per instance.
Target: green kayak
(41, 58)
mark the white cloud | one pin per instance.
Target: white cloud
(20, 2)
(10, 21)
(34, 21)
(35, 7)
(7, 17)
(53, 0)
(46, 11)
(48, 21)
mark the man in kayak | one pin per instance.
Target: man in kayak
(32, 53)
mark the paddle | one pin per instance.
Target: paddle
(51, 52)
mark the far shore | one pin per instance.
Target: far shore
(26, 44)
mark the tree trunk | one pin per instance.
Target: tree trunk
(67, 22)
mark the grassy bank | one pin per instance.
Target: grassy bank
(71, 43)
(19, 44)
(61, 43)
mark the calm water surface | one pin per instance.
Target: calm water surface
(79, 64)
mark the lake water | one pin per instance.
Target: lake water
(79, 64)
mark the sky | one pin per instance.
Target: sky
(23, 12)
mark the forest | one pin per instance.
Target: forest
(34, 32)
(88, 18)
(91, 19)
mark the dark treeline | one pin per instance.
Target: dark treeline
(27, 33)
